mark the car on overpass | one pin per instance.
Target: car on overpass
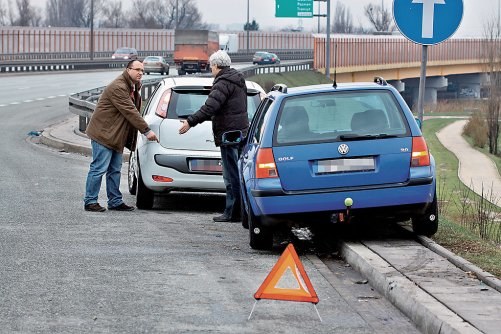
(125, 53)
(157, 64)
(329, 154)
(264, 57)
(188, 162)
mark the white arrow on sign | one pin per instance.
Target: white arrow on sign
(428, 16)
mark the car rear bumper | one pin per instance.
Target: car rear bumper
(408, 200)
(182, 178)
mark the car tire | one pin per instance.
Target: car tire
(167, 73)
(144, 196)
(181, 72)
(131, 174)
(427, 224)
(260, 237)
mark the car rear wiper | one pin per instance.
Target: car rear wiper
(355, 136)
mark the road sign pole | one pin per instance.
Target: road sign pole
(328, 43)
(422, 82)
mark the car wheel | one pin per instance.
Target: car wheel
(144, 196)
(131, 174)
(147, 73)
(167, 73)
(181, 72)
(427, 224)
(260, 237)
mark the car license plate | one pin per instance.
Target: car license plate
(344, 165)
(206, 165)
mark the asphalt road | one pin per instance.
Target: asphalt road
(65, 270)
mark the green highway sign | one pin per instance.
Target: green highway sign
(294, 8)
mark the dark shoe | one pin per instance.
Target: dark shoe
(94, 207)
(223, 218)
(122, 207)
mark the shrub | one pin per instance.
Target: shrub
(476, 129)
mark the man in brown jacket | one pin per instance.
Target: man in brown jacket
(113, 126)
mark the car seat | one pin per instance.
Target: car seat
(369, 120)
(295, 123)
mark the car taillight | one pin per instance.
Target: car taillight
(420, 153)
(163, 104)
(265, 164)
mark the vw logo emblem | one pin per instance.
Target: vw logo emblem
(343, 149)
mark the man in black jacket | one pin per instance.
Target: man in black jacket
(226, 106)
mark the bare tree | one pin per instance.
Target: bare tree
(141, 15)
(70, 13)
(161, 14)
(492, 51)
(380, 18)
(27, 15)
(3, 14)
(343, 21)
(189, 16)
(113, 15)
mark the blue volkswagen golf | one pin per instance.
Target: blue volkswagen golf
(335, 153)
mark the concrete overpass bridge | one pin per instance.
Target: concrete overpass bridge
(456, 68)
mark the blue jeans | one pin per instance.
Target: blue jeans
(104, 160)
(229, 161)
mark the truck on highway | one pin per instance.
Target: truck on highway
(192, 49)
(228, 42)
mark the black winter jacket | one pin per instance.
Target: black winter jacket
(226, 105)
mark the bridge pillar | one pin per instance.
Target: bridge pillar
(468, 85)
(433, 84)
(398, 84)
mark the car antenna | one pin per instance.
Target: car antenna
(334, 84)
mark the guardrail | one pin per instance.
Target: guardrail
(84, 103)
(77, 61)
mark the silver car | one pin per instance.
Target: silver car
(156, 64)
(188, 162)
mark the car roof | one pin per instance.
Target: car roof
(202, 81)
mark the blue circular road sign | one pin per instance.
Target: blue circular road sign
(428, 22)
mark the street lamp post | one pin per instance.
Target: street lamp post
(91, 30)
(248, 26)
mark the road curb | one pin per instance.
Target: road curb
(484, 276)
(428, 314)
(64, 136)
(48, 139)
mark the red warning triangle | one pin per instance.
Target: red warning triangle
(288, 268)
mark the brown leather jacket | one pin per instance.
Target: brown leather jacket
(116, 119)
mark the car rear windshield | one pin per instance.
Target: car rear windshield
(186, 102)
(340, 116)
(152, 59)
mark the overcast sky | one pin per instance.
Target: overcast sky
(232, 14)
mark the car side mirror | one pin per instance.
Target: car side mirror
(232, 138)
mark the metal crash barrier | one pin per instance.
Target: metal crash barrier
(84, 103)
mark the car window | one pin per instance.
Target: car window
(257, 123)
(153, 100)
(327, 116)
(186, 103)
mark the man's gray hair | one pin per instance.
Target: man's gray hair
(220, 59)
